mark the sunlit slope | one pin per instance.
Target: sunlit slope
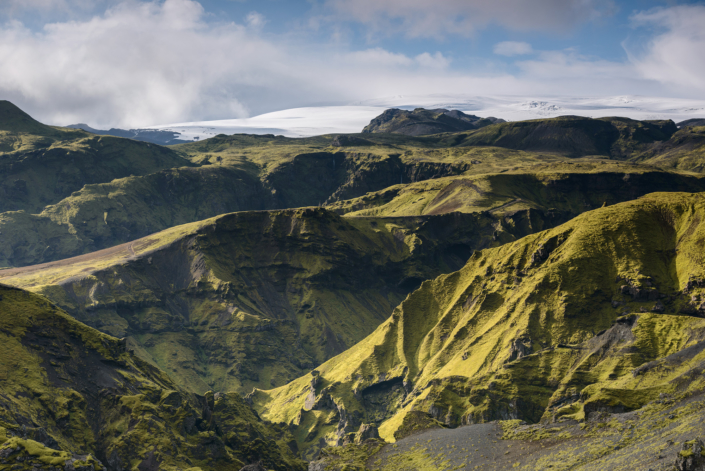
(73, 398)
(259, 298)
(551, 324)
(570, 187)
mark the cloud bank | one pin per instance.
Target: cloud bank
(145, 63)
(676, 55)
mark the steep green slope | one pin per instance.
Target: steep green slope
(14, 120)
(259, 298)
(108, 214)
(73, 398)
(552, 325)
(570, 187)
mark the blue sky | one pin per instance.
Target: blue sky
(139, 62)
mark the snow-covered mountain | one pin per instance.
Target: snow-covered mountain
(302, 122)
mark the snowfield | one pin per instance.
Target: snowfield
(303, 122)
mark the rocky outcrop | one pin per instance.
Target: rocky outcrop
(366, 432)
(422, 122)
(691, 457)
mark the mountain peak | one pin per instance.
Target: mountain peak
(422, 122)
(13, 119)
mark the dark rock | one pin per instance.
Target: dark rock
(366, 432)
(520, 348)
(640, 293)
(691, 458)
(422, 122)
(691, 122)
(349, 141)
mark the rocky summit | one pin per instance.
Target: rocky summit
(437, 292)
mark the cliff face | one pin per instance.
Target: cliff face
(561, 323)
(74, 398)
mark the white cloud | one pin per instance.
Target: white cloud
(512, 48)
(256, 20)
(435, 61)
(159, 62)
(423, 18)
(162, 62)
(379, 57)
(676, 54)
(138, 64)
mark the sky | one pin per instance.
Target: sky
(132, 63)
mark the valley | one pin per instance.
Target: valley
(436, 292)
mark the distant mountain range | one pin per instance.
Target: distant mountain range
(155, 136)
(316, 121)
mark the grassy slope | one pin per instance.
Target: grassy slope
(261, 176)
(450, 348)
(259, 298)
(38, 170)
(73, 397)
(571, 187)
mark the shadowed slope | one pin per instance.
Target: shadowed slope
(73, 398)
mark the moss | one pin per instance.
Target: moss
(452, 340)
(350, 457)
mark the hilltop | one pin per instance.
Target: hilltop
(41, 165)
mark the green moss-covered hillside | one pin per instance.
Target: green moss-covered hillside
(562, 323)
(73, 398)
(81, 192)
(574, 136)
(260, 298)
(685, 150)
